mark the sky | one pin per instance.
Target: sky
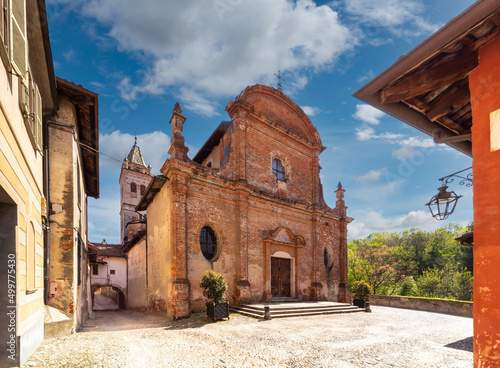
(142, 57)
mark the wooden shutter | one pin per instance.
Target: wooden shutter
(38, 118)
(19, 39)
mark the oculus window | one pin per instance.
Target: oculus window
(208, 243)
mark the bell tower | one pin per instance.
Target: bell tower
(134, 179)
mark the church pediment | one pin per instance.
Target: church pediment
(284, 235)
(279, 109)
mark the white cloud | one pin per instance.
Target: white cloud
(409, 147)
(401, 17)
(366, 133)
(372, 175)
(404, 153)
(69, 55)
(418, 142)
(104, 223)
(368, 114)
(154, 147)
(310, 111)
(192, 46)
(370, 222)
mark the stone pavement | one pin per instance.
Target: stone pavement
(388, 337)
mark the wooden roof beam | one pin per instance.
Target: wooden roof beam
(425, 80)
(450, 102)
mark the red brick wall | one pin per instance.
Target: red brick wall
(484, 84)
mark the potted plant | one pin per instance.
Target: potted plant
(214, 288)
(361, 292)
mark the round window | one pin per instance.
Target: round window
(208, 243)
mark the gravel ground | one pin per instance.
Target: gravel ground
(387, 337)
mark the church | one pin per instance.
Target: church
(249, 204)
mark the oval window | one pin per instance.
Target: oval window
(208, 243)
(328, 258)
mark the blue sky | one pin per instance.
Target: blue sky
(143, 58)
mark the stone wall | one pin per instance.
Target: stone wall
(463, 309)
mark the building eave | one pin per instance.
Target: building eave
(87, 109)
(152, 190)
(425, 55)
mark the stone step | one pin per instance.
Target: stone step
(317, 313)
(281, 312)
(305, 307)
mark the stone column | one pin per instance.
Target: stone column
(341, 209)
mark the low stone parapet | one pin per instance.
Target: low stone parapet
(463, 309)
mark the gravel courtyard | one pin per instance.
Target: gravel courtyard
(388, 337)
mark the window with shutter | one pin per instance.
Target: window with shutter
(19, 50)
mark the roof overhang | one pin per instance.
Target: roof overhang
(87, 115)
(428, 88)
(152, 190)
(128, 245)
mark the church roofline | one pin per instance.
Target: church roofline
(211, 142)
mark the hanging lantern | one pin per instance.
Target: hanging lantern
(443, 204)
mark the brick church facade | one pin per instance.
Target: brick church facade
(249, 205)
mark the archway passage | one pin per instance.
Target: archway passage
(107, 298)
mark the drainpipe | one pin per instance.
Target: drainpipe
(147, 277)
(46, 193)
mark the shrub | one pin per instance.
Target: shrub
(407, 288)
(214, 286)
(361, 290)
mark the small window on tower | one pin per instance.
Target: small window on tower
(133, 187)
(279, 169)
(143, 189)
(95, 269)
(111, 272)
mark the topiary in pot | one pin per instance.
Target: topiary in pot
(214, 288)
(361, 291)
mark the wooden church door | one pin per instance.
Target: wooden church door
(280, 277)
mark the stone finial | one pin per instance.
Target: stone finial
(178, 149)
(340, 206)
(340, 191)
(177, 109)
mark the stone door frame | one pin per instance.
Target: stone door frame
(281, 243)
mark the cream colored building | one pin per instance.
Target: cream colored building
(27, 95)
(48, 167)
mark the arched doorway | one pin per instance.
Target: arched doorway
(107, 297)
